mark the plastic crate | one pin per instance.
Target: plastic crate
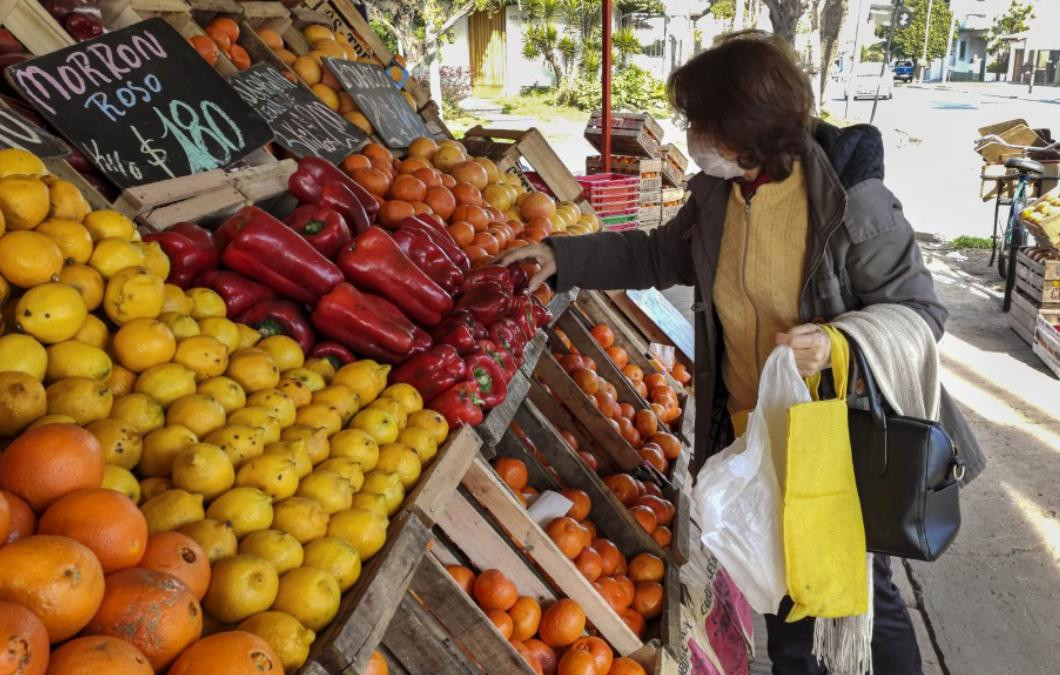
(618, 220)
(611, 192)
(537, 183)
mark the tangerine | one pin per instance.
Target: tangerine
(576, 663)
(441, 201)
(105, 521)
(612, 591)
(473, 214)
(377, 665)
(570, 440)
(431, 177)
(466, 193)
(96, 654)
(229, 653)
(462, 232)
(624, 487)
(377, 152)
(626, 666)
(501, 621)
(49, 461)
(407, 189)
(526, 618)
(587, 380)
(609, 555)
(600, 651)
(371, 179)
(579, 510)
(634, 620)
(464, 577)
(589, 460)
(393, 212)
(544, 655)
(653, 454)
(589, 563)
(568, 536)
(512, 471)
(648, 599)
(562, 623)
(662, 536)
(663, 508)
(671, 447)
(179, 555)
(528, 656)
(645, 517)
(603, 335)
(633, 372)
(646, 567)
(618, 355)
(493, 590)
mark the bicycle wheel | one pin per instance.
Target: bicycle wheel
(1010, 266)
(1002, 263)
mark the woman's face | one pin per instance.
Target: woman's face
(696, 140)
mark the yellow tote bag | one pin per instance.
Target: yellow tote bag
(824, 535)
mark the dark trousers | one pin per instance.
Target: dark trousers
(894, 647)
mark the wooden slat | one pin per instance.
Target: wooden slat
(221, 201)
(420, 644)
(440, 480)
(498, 419)
(657, 319)
(564, 421)
(394, 667)
(532, 352)
(579, 336)
(35, 28)
(537, 475)
(145, 197)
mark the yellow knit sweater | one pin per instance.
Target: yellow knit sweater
(759, 279)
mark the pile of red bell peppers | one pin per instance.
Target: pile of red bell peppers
(407, 296)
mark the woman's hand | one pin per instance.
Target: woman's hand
(542, 253)
(813, 349)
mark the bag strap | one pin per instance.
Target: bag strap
(877, 450)
(840, 365)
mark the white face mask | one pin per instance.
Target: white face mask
(710, 161)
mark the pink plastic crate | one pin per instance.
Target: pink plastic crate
(610, 191)
(535, 181)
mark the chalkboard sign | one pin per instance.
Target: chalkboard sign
(300, 121)
(18, 132)
(141, 104)
(380, 101)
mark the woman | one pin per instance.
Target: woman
(788, 224)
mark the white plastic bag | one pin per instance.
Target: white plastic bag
(738, 491)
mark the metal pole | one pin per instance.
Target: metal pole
(886, 60)
(605, 84)
(927, 33)
(1034, 68)
(855, 59)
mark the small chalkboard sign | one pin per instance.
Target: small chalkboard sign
(141, 104)
(300, 121)
(18, 132)
(379, 99)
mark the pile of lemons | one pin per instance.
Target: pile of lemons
(285, 470)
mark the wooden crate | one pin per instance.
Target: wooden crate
(657, 320)
(1047, 344)
(1039, 279)
(636, 134)
(674, 165)
(33, 26)
(507, 147)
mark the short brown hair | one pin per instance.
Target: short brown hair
(748, 94)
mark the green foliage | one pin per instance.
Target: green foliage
(965, 241)
(723, 9)
(640, 7)
(626, 44)
(386, 35)
(909, 42)
(872, 53)
(632, 88)
(1015, 20)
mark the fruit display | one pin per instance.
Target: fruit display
(221, 36)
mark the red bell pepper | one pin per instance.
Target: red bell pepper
(366, 324)
(421, 341)
(520, 279)
(324, 228)
(487, 302)
(442, 239)
(268, 251)
(507, 334)
(430, 258)
(522, 313)
(375, 262)
(457, 334)
(238, 292)
(460, 404)
(491, 378)
(314, 173)
(190, 249)
(542, 314)
(280, 317)
(432, 372)
(337, 196)
(509, 364)
(332, 352)
(489, 273)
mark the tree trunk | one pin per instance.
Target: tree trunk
(832, 17)
(784, 14)
(554, 65)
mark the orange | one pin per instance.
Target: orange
(512, 471)
(635, 621)
(371, 179)
(270, 37)
(476, 253)
(466, 193)
(23, 522)
(493, 590)
(590, 528)
(612, 592)
(568, 535)
(97, 654)
(5, 519)
(407, 188)
(354, 162)
(600, 651)
(462, 232)
(526, 617)
(56, 578)
(487, 242)
(577, 663)
(233, 652)
(463, 576)
(618, 355)
(239, 57)
(537, 205)
(664, 510)
(501, 621)
(671, 447)
(473, 214)
(589, 563)
(545, 655)
(562, 623)
(681, 374)
(153, 611)
(580, 509)
(628, 588)
(430, 177)
(624, 487)
(206, 47)
(220, 37)
(653, 380)
(377, 665)
(470, 172)
(48, 462)
(441, 200)
(609, 555)
(422, 147)
(646, 422)
(645, 517)
(662, 536)
(179, 555)
(393, 212)
(228, 27)
(652, 454)
(633, 372)
(587, 380)
(24, 641)
(589, 460)
(603, 335)
(529, 657)
(646, 567)
(648, 599)
(626, 666)
(105, 521)
(628, 411)
(570, 439)
(377, 152)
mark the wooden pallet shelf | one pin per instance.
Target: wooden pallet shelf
(508, 148)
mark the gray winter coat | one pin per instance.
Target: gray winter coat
(861, 251)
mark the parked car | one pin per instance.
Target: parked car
(903, 71)
(866, 82)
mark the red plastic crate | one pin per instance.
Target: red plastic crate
(610, 191)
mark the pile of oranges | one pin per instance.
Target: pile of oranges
(552, 640)
(222, 35)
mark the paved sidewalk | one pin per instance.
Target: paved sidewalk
(1009, 90)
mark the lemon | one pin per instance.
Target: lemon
(226, 332)
(275, 475)
(86, 281)
(402, 460)
(76, 359)
(112, 255)
(432, 422)
(419, 440)
(154, 486)
(81, 398)
(106, 223)
(72, 238)
(240, 586)
(277, 403)
(316, 441)
(225, 391)
(51, 312)
(121, 381)
(141, 411)
(320, 415)
(122, 445)
(337, 557)
(401, 417)
(206, 355)
(364, 530)
(287, 637)
(321, 366)
(296, 452)
(22, 400)
(121, 480)
(303, 519)
(240, 443)
(387, 484)
(330, 489)
(406, 395)
(339, 397)
(295, 389)
(181, 325)
(247, 508)
(93, 331)
(358, 445)
(166, 383)
(172, 509)
(214, 536)
(29, 258)
(311, 380)
(253, 369)
(23, 202)
(52, 419)
(310, 595)
(155, 258)
(67, 202)
(255, 416)
(199, 413)
(279, 548)
(24, 354)
(371, 502)
(133, 293)
(160, 448)
(205, 303)
(347, 468)
(248, 337)
(174, 300)
(364, 378)
(19, 162)
(379, 424)
(143, 343)
(285, 352)
(203, 469)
